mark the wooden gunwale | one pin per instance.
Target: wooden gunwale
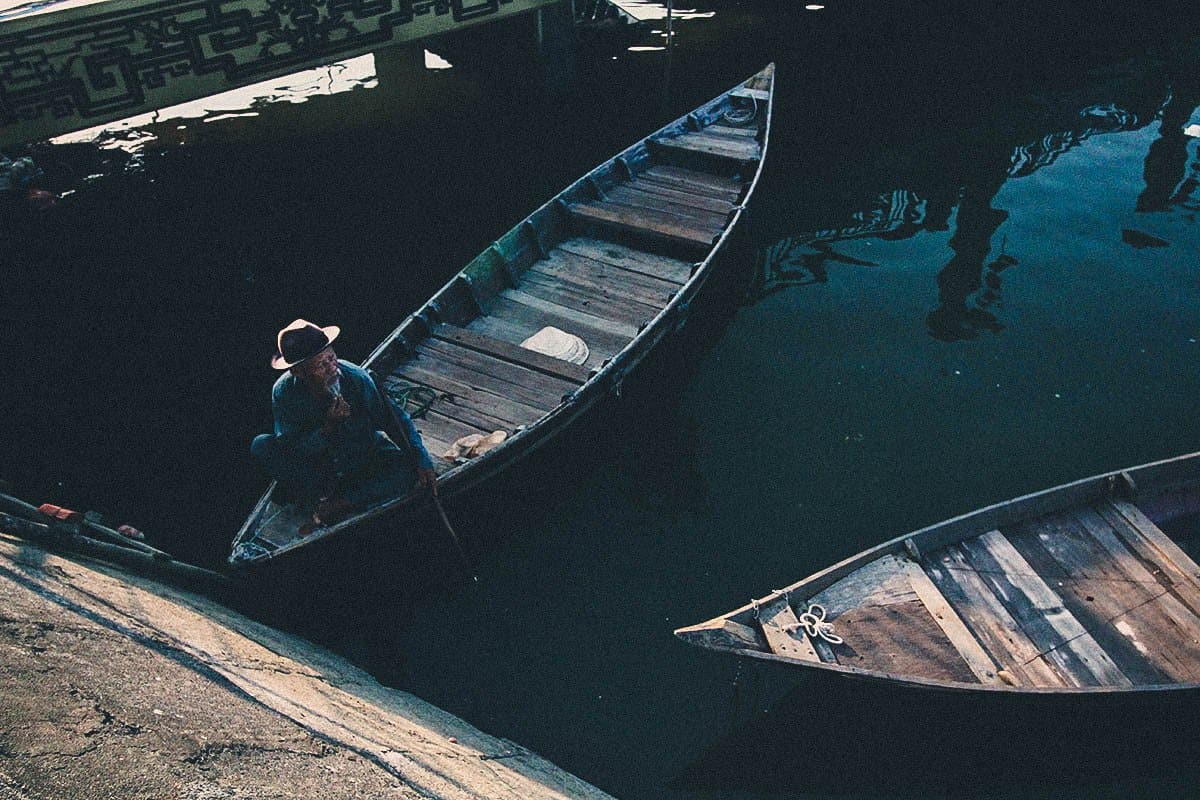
(603, 380)
(1152, 479)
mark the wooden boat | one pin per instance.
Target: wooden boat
(1073, 589)
(614, 259)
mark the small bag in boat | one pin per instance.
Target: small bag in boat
(472, 445)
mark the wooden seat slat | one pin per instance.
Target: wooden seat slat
(505, 371)
(694, 178)
(647, 222)
(463, 393)
(433, 364)
(715, 146)
(631, 196)
(514, 353)
(651, 265)
(611, 305)
(528, 319)
(617, 281)
(717, 205)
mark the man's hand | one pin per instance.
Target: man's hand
(338, 410)
(428, 479)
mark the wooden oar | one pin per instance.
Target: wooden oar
(450, 529)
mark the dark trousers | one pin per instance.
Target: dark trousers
(388, 474)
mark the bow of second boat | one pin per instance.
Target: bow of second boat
(1075, 589)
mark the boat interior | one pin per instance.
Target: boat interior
(584, 274)
(1094, 596)
(599, 263)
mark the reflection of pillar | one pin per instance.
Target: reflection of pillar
(556, 44)
(975, 225)
(1166, 161)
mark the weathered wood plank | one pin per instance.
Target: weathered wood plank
(653, 291)
(703, 201)
(1153, 534)
(754, 93)
(1059, 548)
(646, 181)
(599, 303)
(647, 223)
(719, 135)
(498, 348)
(988, 619)
(1062, 551)
(430, 365)
(878, 583)
(1041, 612)
(579, 318)
(960, 637)
(440, 432)
(446, 406)
(604, 282)
(1165, 630)
(901, 639)
(509, 316)
(456, 392)
(618, 255)
(784, 636)
(711, 146)
(505, 371)
(636, 198)
(694, 178)
(1159, 564)
(1154, 629)
(726, 130)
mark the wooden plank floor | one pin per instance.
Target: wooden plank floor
(1080, 598)
(1092, 597)
(592, 286)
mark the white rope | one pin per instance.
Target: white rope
(814, 624)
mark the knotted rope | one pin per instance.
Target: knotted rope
(814, 624)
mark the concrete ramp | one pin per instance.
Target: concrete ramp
(138, 678)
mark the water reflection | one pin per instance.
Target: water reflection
(1169, 179)
(969, 284)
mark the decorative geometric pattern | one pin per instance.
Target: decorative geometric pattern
(105, 63)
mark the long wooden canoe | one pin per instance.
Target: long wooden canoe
(1077, 589)
(615, 259)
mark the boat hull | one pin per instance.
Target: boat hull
(1072, 590)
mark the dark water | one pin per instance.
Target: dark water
(975, 275)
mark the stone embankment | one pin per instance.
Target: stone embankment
(114, 686)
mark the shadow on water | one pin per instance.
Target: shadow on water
(829, 737)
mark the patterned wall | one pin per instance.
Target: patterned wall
(65, 70)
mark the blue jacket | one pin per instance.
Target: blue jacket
(299, 415)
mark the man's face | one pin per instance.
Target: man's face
(318, 371)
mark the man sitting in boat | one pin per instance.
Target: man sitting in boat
(338, 442)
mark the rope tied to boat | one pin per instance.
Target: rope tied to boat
(421, 398)
(741, 116)
(814, 624)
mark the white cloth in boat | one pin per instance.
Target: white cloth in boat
(551, 341)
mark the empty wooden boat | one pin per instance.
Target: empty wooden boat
(610, 264)
(1075, 589)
